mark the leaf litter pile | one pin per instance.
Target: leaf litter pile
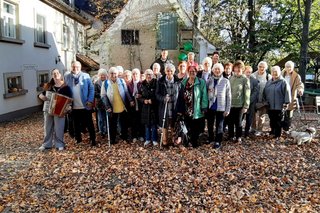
(259, 175)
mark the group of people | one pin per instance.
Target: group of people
(219, 97)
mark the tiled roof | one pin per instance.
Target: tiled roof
(88, 62)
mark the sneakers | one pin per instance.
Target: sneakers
(217, 145)
(141, 139)
(147, 143)
(155, 143)
(134, 140)
(258, 133)
(239, 140)
(42, 148)
(61, 148)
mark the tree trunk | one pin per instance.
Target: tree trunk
(305, 40)
(251, 28)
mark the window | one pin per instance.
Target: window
(168, 31)
(9, 20)
(40, 29)
(43, 78)
(65, 37)
(13, 83)
(130, 37)
(80, 42)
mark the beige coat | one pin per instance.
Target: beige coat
(295, 86)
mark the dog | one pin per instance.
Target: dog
(303, 137)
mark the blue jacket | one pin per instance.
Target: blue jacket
(107, 93)
(277, 93)
(86, 86)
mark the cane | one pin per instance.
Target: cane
(108, 127)
(303, 111)
(163, 122)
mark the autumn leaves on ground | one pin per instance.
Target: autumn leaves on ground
(258, 175)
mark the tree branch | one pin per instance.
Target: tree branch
(315, 33)
(300, 11)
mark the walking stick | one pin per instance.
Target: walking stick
(108, 127)
(303, 111)
(163, 122)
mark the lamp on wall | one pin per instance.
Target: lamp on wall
(58, 59)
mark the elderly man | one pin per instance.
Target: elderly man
(296, 88)
(115, 96)
(83, 96)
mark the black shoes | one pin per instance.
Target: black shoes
(217, 145)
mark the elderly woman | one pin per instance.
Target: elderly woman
(219, 95)
(101, 111)
(168, 87)
(262, 76)
(296, 88)
(192, 103)
(156, 71)
(120, 71)
(205, 73)
(116, 98)
(182, 74)
(149, 113)
(191, 62)
(240, 100)
(135, 111)
(277, 94)
(127, 76)
(54, 125)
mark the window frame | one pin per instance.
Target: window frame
(10, 39)
(38, 42)
(39, 82)
(134, 37)
(4, 16)
(21, 91)
(65, 37)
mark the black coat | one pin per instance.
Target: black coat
(149, 112)
(97, 89)
(162, 65)
(161, 93)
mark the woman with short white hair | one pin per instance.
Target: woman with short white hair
(101, 111)
(277, 94)
(134, 112)
(116, 98)
(296, 88)
(167, 94)
(127, 76)
(206, 72)
(149, 113)
(191, 62)
(219, 96)
(262, 76)
(156, 70)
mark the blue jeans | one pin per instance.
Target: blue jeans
(102, 121)
(151, 132)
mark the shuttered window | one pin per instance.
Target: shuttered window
(168, 31)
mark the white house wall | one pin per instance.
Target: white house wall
(28, 59)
